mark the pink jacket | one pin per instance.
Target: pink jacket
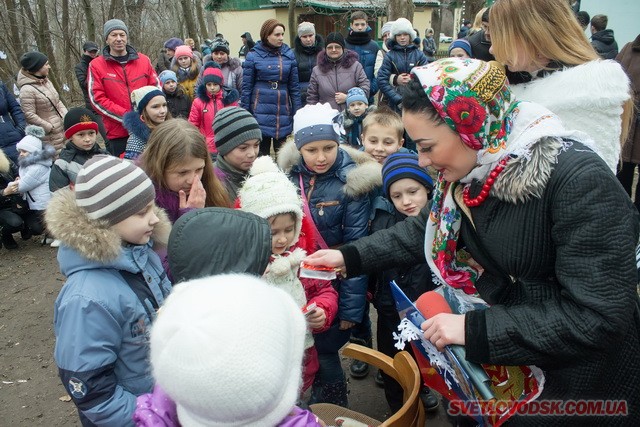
(205, 107)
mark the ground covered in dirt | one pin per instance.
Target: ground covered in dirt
(30, 390)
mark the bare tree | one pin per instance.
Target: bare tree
(202, 24)
(188, 19)
(91, 23)
(292, 22)
(400, 9)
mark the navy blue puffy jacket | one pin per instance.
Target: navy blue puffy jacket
(367, 53)
(399, 60)
(12, 123)
(270, 89)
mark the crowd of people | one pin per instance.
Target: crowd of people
(491, 172)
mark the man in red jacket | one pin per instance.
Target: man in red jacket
(112, 77)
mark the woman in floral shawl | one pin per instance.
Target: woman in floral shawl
(548, 238)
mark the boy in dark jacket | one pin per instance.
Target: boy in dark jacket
(80, 130)
(359, 40)
(403, 55)
(178, 101)
(408, 187)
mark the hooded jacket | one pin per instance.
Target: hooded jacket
(188, 79)
(329, 77)
(246, 48)
(66, 167)
(12, 122)
(110, 85)
(270, 89)
(353, 126)
(339, 203)
(205, 107)
(306, 56)
(34, 177)
(398, 60)
(629, 58)
(559, 274)
(101, 320)
(605, 44)
(587, 97)
(178, 103)
(42, 107)
(367, 50)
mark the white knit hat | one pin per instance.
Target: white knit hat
(220, 366)
(32, 140)
(268, 192)
(316, 123)
(403, 26)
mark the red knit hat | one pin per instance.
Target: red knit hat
(212, 75)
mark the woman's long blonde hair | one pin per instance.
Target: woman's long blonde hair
(174, 142)
(543, 30)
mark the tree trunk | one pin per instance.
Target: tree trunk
(134, 22)
(43, 36)
(436, 24)
(14, 43)
(202, 24)
(91, 23)
(400, 9)
(188, 19)
(292, 23)
(67, 47)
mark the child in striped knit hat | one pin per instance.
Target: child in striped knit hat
(115, 284)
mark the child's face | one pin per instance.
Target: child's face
(357, 108)
(282, 230)
(85, 139)
(137, 228)
(380, 141)
(319, 156)
(243, 156)
(458, 52)
(181, 176)
(408, 196)
(23, 153)
(213, 88)
(184, 61)
(403, 39)
(359, 25)
(156, 109)
(220, 56)
(170, 86)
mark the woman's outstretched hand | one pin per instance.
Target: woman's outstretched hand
(328, 258)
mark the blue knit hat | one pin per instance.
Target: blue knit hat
(173, 43)
(356, 94)
(404, 165)
(167, 75)
(462, 44)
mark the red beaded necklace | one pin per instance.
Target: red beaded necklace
(486, 187)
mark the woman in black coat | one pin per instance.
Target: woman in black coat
(12, 123)
(547, 221)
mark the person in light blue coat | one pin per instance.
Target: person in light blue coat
(270, 88)
(115, 284)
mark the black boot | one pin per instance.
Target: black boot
(25, 233)
(379, 379)
(429, 400)
(357, 368)
(8, 241)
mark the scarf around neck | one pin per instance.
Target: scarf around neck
(474, 99)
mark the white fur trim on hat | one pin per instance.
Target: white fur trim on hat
(403, 26)
(228, 350)
(268, 192)
(32, 141)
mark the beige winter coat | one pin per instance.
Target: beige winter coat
(39, 110)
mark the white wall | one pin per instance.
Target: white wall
(624, 17)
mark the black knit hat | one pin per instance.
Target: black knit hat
(33, 61)
(404, 165)
(334, 38)
(234, 126)
(78, 119)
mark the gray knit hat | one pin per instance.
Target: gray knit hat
(112, 25)
(233, 126)
(112, 189)
(305, 28)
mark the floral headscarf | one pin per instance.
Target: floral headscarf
(474, 100)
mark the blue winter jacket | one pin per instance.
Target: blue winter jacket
(367, 50)
(270, 89)
(12, 123)
(340, 219)
(102, 331)
(399, 60)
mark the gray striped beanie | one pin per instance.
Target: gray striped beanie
(112, 189)
(233, 126)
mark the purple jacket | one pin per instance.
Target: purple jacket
(158, 410)
(170, 202)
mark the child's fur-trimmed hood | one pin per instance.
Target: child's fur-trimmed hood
(365, 177)
(95, 240)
